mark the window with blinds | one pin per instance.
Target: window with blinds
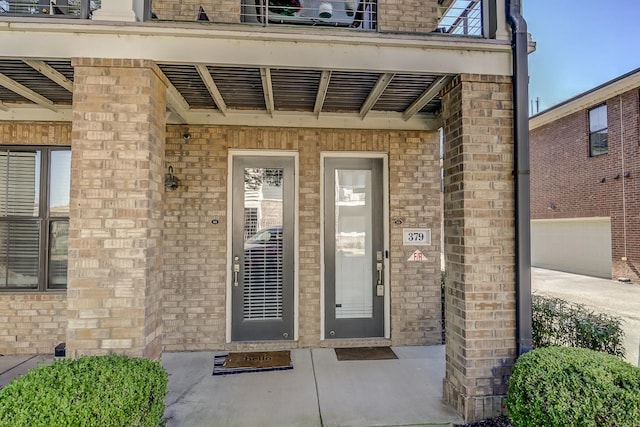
(34, 217)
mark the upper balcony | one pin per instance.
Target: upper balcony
(453, 17)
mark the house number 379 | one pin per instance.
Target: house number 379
(416, 237)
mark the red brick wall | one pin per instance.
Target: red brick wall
(563, 174)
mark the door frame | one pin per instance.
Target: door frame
(385, 231)
(229, 266)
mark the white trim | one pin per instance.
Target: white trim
(385, 184)
(233, 45)
(296, 284)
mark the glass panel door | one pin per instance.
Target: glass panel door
(354, 253)
(262, 267)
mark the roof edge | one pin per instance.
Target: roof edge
(590, 98)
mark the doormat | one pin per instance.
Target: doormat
(256, 361)
(365, 353)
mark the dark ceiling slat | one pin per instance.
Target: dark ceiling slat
(295, 90)
(32, 79)
(186, 79)
(241, 88)
(402, 91)
(348, 90)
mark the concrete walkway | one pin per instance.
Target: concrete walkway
(319, 391)
(601, 295)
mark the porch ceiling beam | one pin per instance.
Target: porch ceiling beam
(48, 71)
(426, 97)
(267, 88)
(376, 92)
(3, 106)
(25, 92)
(177, 103)
(213, 88)
(271, 47)
(325, 78)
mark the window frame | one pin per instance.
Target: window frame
(44, 219)
(597, 131)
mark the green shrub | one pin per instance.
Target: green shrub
(564, 386)
(89, 391)
(557, 322)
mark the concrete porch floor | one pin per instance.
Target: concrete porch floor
(318, 391)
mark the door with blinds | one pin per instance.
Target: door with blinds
(262, 270)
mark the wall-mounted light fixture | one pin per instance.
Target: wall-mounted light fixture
(186, 136)
(603, 179)
(552, 206)
(627, 174)
(171, 182)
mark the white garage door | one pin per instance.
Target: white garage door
(577, 245)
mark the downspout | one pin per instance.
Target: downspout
(519, 45)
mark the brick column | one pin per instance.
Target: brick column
(116, 221)
(479, 244)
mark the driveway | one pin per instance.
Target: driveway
(602, 295)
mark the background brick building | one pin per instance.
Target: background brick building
(585, 186)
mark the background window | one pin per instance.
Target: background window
(598, 131)
(34, 217)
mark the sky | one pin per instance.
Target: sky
(580, 44)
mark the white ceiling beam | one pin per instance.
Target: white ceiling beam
(376, 92)
(432, 91)
(267, 88)
(49, 72)
(3, 107)
(321, 94)
(327, 120)
(176, 102)
(213, 88)
(271, 47)
(25, 92)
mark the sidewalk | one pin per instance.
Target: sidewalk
(318, 391)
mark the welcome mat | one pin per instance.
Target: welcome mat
(255, 361)
(365, 353)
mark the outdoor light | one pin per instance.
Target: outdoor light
(171, 182)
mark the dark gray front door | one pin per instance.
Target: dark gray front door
(354, 248)
(262, 248)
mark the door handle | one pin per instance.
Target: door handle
(380, 284)
(236, 270)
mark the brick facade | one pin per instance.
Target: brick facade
(116, 219)
(580, 186)
(33, 322)
(195, 250)
(479, 243)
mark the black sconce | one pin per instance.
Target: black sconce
(171, 182)
(552, 206)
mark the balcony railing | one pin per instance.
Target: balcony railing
(361, 14)
(463, 18)
(458, 17)
(49, 8)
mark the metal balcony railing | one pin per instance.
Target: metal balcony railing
(361, 14)
(52, 8)
(463, 18)
(460, 17)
